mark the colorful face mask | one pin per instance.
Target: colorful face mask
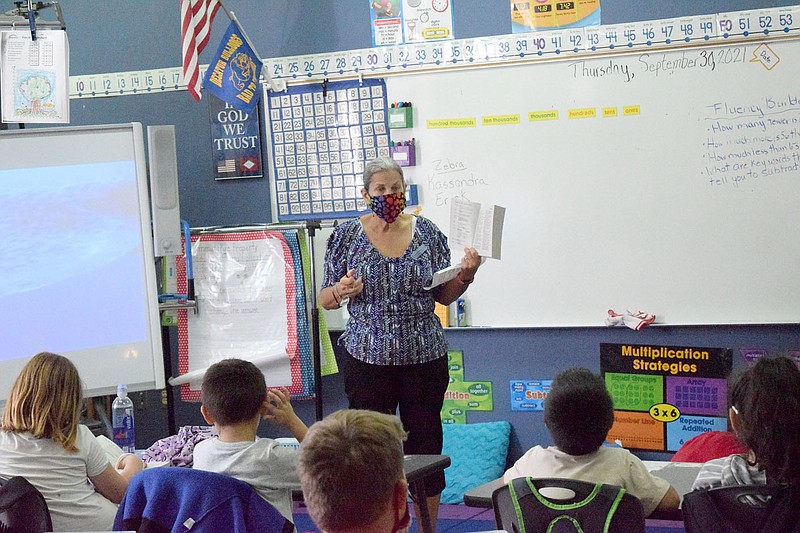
(388, 206)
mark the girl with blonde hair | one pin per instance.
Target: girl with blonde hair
(42, 441)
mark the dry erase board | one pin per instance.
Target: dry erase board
(664, 181)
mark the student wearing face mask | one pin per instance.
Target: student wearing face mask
(378, 265)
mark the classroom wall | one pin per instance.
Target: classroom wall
(114, 35)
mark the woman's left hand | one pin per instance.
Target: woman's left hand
(469, 265)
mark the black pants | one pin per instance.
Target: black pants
(417, 390)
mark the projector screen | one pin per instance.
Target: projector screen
(77, 268)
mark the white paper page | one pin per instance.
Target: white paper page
(112, 451)
(482, 241)
(489, 231)
(242, 311)
(443, 276)
(463, 217)
(35, 76)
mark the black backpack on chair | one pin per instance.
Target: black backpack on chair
(742, 508)
(22, 508)
(525, 506)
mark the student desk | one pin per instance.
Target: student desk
(680, 475)
(417, 468)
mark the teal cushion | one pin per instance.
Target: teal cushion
(477, 455)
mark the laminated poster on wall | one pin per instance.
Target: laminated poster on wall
(235, 141)
(463, 396)
(410, 21)
(529, 394)
(665, 395)
(35, 77)
(537, 15)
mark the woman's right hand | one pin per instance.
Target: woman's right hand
(349, 286)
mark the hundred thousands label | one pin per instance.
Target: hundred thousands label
(440, 123)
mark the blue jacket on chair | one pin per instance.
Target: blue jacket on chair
(171, 499)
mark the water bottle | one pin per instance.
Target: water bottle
(461, 313)
(122, 420)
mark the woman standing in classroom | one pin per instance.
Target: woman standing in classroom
(379, 265)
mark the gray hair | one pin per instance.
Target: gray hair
(381, 164)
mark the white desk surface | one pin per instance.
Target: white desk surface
(680, 475)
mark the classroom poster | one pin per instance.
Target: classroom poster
(410, 21)
(553, 14)
(35, 76)
(387, 22)
(665, 395)
(428, 20)
(235, 141)
(529, 394)
(463, 396)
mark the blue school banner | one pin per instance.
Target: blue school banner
(233, 74)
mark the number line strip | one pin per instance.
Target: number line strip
(686, 32)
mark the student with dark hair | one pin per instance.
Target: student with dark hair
(235, 399)
(765, 414)
(578, 413)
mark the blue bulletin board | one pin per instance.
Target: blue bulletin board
(321, 135)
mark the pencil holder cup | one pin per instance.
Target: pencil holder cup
(400, 117)
(404, 155)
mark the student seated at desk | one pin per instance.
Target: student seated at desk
(765, 414)
(42, 441)
(578, 414)
(351, 469)
(707, 446)
(235, 399)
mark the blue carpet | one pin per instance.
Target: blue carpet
(452, 519)
(463, 519)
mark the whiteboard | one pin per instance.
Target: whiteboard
(678, 198)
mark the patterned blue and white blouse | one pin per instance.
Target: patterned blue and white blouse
(392, 321)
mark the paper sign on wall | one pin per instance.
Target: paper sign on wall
(529, 394)
(463, 396)
(553, 14)
(35, 76)
(410, 21)
(665, 395)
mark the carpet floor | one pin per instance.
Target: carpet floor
(452, 519)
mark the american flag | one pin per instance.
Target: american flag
(196, 19)
(226, 165)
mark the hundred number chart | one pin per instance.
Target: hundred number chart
(321, 138)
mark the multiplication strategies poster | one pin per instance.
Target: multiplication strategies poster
(665, 395)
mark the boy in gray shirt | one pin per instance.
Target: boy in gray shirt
(235, 400)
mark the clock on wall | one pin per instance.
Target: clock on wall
(440, 5)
